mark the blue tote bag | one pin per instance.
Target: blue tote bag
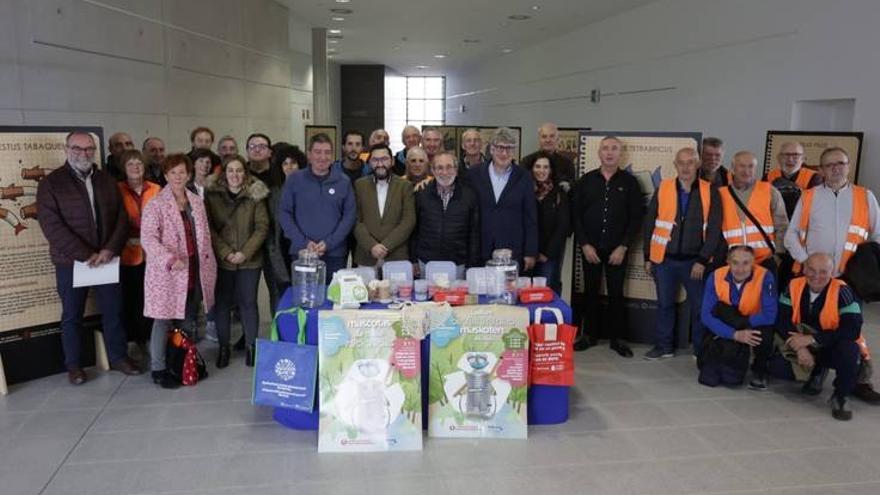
(285, 372)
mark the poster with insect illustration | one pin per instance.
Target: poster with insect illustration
(28, 298)
(478, 373)
(369, 380)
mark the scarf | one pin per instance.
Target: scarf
(543, 188)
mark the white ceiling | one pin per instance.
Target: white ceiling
(404, 34)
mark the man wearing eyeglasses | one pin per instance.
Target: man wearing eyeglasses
(508, 208)
(259, 152)
(835, 218)
(386, 212)
(82, 217)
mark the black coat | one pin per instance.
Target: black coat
(512, 221)
(554, 224)
(451, 235)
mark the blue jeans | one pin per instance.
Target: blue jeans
(550, 270)
(667, 277)
(73, 303)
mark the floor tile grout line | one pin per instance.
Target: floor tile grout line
(80, 439)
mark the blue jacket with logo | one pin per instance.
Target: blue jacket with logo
(317, 210)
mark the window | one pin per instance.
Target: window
(414, 101)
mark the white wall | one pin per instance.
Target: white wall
(736, 68)
(158, 67)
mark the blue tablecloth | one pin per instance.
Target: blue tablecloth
(547, 404)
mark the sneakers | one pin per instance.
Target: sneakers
(839, 408)
(866, 393)
(656, 353)
(758, 383)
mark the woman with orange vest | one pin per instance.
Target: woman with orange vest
(763, 203)
(829, 308)
(739, 309)
(682, 229)
(136, 192)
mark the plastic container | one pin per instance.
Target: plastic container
(502, 277)
(421, 290)
(308, 280)
(539, 281)
(440, 273)
(397, 271)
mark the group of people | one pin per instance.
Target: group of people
(200, 227)
(760, 261)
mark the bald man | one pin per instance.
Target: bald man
(548, 142)
(411, 137)
(821, 322)
(118, 142)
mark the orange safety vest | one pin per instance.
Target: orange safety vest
(856, 233)
(667, 207)
(804, 176)
(737, 232)
(750, 301)
(829, 317)
(132, 252)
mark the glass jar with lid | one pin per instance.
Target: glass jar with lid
(308, 280)
(502, 276)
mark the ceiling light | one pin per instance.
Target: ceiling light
(331, 50)
(342, 11)
(439, 55)
(422, 67)
(519, 17)
(342, 1)
(395, 47)
(536, 7)
(337, 19)
(333, 42)
(335, 31)
(506, 50)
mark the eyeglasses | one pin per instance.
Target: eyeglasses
(76, 149)
(504, 148)
(258, 146)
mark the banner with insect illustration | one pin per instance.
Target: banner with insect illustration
(369, 382)
(478, 373)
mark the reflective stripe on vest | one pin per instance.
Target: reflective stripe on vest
(738, 232)
(132, 253)
(750, 300)
(856, 233)
(829, 317)
(667, 207)
(804, 176)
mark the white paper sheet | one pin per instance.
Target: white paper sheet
(87, 276)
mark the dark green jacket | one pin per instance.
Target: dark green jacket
(239, 224)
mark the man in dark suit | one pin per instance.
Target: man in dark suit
(83, 219)
(386, 212)
(508, 209)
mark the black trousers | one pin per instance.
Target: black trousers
(614, 322)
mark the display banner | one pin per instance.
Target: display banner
(30, 309)
(478, 372)
(369, 382)
(649, 156)
(814, 143)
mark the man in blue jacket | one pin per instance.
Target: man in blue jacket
(317, 209)
(508, 209)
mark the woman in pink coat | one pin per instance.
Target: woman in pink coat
(181, 269)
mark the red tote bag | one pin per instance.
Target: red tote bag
(551, 351)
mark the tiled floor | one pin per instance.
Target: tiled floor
(635, 427)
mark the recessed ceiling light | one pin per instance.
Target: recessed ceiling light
(337, 19)
(333, 42)
(422, 67)
(335, 31)
(506, 50)
(536, 7)
(439, 55)
(342, 1)
(331, 50)
(519, 17)
(470, 40)
(342, 11)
